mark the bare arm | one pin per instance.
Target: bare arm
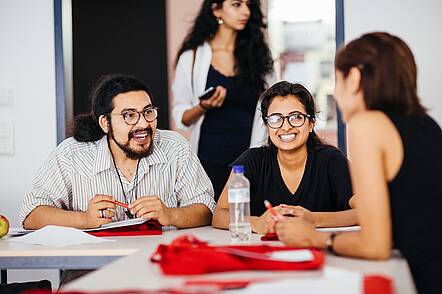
(367, 137)
(335, 219)
(194, 215)
(192, 115)
(323, 219)
(48, 215)
(220, 218)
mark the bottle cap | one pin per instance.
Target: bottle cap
(238, 169)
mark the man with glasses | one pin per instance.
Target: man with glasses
(117, 153)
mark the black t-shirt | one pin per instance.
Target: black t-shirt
(325, 185)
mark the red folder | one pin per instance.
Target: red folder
(150, 227)
(187, 255)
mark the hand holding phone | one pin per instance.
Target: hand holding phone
(207, 94)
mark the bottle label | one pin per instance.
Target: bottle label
(239, 195)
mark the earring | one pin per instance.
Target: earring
(219, 20)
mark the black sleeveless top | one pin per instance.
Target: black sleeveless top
(416, 200)
(226, 131)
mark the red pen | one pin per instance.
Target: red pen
(119, 203)
(272, 211)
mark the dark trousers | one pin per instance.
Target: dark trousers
(218, 174)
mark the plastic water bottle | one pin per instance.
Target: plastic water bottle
(239, 206)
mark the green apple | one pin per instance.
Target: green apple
(4, 225)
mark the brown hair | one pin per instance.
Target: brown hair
(388, 72)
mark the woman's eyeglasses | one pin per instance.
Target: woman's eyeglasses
(295, 119)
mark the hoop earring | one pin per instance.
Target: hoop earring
(219, 20)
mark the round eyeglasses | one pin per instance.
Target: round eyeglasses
(132, 117)
(295, 119)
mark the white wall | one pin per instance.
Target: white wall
(419, 23)
(180, 17)
(27, 67)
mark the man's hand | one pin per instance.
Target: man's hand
(93, 217)
(151, 207)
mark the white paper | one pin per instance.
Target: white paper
(292, 255)
(340, 229)
(333, 281)
(118, 224)
(18, 231)
(58, 237)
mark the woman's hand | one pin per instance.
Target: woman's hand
(266, 222)
(216, 100)
(301, 212)
(260, 224)
(297, 232)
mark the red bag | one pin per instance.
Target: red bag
(187, 255)
(270, 237)
(150, 227)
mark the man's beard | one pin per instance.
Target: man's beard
(131, 153)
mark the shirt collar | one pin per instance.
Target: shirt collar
(103, 160)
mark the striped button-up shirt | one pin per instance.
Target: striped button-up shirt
(77, 171)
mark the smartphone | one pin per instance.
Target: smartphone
(207, 94)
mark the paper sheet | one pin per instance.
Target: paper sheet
(299, 255)
(333, 281)
(340, 229)
(18, 231)
(58, 237)
(118, 224)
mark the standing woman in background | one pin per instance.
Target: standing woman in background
(396, 162)
(225, 50)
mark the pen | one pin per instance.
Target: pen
(119, 203)
(270, 208)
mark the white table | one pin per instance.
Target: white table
(145, 275)
(92, 256)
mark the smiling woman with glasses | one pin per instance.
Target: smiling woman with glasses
(296, 172)
(295, 119)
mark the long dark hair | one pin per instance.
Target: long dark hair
(86, 127)
(388, 72)
(252, 54)
(284, 89)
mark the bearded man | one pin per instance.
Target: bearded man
(117, 153)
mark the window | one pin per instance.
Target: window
(303, 43)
